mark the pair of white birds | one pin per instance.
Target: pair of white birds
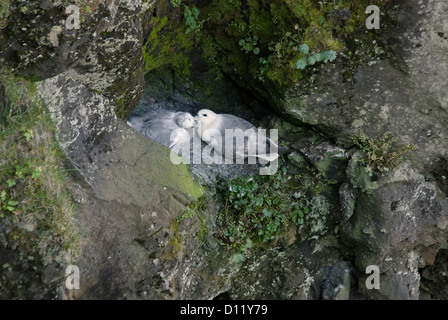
(171, 128)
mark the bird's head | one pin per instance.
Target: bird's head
(184, 120)
(205, 117)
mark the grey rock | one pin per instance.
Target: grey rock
(434, 278)
(397, 225)
(347, 198)
(130, 194)
(337, 281)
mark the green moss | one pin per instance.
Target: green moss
(122, 107)
(167, 45)
(281, 27)
(176, 177)
(322, 25)
(197, 209)
(174, 248)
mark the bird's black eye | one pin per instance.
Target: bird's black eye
(204, 114)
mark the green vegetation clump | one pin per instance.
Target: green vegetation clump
(35, 205)
(382, 156)
(197, 209)
(168, 44)
(292, 35)
(249, 44)
(192, 21)
(4, 12)
(175, 247)
(259, 209)
(286, 39)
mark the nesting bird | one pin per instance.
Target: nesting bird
(166, 127)
(250, 141)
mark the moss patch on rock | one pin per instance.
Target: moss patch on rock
(279, 41)
(285, 32)
(167, 45)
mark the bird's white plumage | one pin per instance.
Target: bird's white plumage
(166, 127)
(211, 127)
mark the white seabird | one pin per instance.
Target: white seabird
(211, 128)
(166, 127)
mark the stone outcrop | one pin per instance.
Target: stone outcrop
(398, 224)
(39, 39)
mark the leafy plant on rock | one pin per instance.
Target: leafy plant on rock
(192, 21)
(257, 209)
(249, 44)
(382, 156)
(290, 48)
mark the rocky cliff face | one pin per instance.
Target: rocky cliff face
(132, 200)
(40, 40)
(399, 90)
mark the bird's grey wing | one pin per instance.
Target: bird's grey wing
(180, 135)
(150, 119)
(230, 121)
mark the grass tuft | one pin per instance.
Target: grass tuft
(35, 205)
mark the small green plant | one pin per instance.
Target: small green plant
(265, 66)
(381, 155)
(24, 9)
(290, 51)
(11, 183)
(285, 143)
(191, 17)
(237, 26)
(36, 173)
(321, 20)
(235, 3)
(28, 134)
(7, 204)
(258, 209)
(249, 44)
(197, 208)
(285, 48)
(20, 174)
(310, 60)
(176, 3)
(188, 213)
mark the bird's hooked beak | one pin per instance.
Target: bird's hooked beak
(196, 122)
